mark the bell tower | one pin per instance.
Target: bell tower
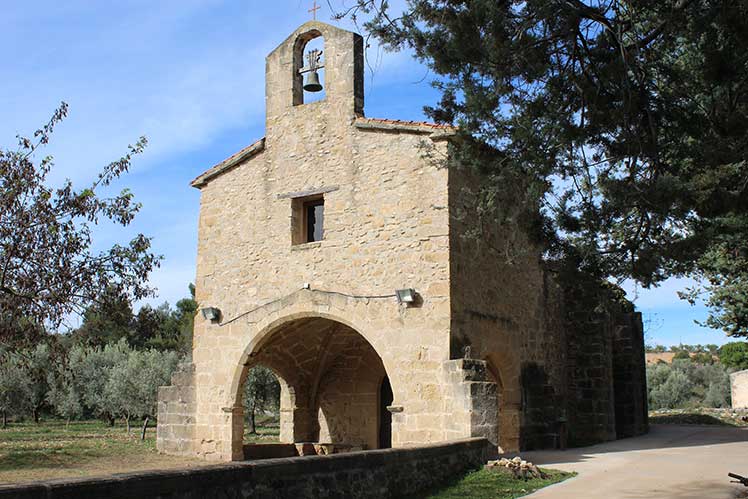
(342, 58)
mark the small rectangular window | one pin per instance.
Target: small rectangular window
(307, 218)
(314, 212)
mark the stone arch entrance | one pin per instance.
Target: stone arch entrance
(503, 370)
(331, 379)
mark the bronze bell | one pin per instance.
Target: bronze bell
(312, 83)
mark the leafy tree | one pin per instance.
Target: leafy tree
(108, 320)
(111, 319)
(48, 268)
(65, 394)
(185, 319)
(674, 392)
(685, 384)
(682, 355)
(14, 387)
(261, 393)
(36, 371)
(734, 355)
(150, 325)
(134, 384)
(702, 358)
(655, 348)
(628, 120)
(92, 372)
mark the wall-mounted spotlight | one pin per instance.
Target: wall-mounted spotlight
(406, 296)
(211, 314)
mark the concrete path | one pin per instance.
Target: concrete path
(682, 462)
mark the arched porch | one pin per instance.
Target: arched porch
(331, 379)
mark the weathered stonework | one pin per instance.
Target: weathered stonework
(739, 385)
(379, 474)
(484, 351)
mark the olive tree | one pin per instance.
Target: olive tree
(261, 393)
(133, 384)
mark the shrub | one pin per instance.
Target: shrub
(734, 355)
(686, 384)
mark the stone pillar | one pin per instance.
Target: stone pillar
(471, 403)
(175, 430)
(739, 385)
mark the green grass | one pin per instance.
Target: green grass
(54, 449)
(703, 416)
(268, 431)
(486, 484)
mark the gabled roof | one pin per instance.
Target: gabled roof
(229, 163)
(406, 126)
(420, 127)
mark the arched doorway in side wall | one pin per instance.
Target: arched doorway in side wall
(385, 416)
(503, 369)
(331, 384)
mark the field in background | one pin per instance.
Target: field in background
(268, 431)
(54, 449)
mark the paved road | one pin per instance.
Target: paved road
(680, 462)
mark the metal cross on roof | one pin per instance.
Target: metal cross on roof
(314, 10)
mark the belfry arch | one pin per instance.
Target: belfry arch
(331, 379)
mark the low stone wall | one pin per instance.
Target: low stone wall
(386, 473)
(739, 383)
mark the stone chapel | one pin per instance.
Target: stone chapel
(342, 254)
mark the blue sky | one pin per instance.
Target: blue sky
(189, 75)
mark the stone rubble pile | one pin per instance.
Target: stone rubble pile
(517, 467)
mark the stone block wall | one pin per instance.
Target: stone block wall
(175, 433)
(739, 384)
(470, 401)
(629, 376)
(591, 403)
(379, 474)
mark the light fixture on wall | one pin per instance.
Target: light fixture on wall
(406, 296)
(211, 314)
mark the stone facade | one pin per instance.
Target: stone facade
(485, 350)
(739, 385)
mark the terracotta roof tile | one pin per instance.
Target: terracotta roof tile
(409, 123)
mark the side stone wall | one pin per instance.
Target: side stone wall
(629, 376)
(739, 383)
(470, 401)
(388, 473)
(175, 432)
(591, 404)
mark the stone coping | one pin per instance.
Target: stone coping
(184, 482)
